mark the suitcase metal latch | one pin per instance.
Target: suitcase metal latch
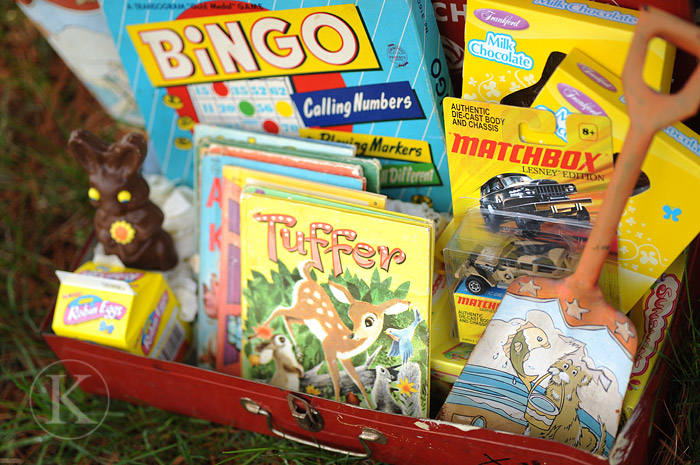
(303, 413)
(306, 416)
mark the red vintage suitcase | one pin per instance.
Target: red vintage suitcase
(342, 427)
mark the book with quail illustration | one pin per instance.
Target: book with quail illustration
(336, 300)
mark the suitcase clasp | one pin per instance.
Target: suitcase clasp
(306, 416)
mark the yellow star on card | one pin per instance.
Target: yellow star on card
(530, 287)
(574, 310)
(623, 329)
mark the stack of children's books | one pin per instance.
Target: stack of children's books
(306, 281)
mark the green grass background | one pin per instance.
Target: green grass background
(44, 220)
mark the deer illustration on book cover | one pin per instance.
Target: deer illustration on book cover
(336, 302)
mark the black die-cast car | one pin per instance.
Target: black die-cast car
(518, 193)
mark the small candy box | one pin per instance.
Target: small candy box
(514, 44)
(125, 308)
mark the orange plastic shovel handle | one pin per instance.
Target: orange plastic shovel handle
(649, 111)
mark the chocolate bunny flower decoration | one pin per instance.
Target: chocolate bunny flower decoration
(127, 223)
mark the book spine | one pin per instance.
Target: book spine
(209, 249)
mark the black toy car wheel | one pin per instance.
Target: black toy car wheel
(476, 285)
(583, 215)
(527, 224)
(491, 217)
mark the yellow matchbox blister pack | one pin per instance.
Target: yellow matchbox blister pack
(480, 264)
(485, 143)
(521, 207)
(509, 43)
(124, 308)
(662, 216)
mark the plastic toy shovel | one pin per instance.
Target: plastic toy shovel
(555, 360)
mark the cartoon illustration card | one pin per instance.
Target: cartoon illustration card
(546, 368)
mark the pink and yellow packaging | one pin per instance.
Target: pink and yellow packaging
(652, 317)
(508, 43)
(125, 308)
(663, 215)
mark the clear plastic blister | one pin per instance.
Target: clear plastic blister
(490, 250)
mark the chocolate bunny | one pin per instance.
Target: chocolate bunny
(127, 223)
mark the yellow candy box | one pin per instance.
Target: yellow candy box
(125, 308)
(508, 43)
(662, 216)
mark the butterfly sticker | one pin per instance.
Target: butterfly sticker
(106, 328)
(671, 213)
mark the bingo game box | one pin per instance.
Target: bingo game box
(335, 71)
